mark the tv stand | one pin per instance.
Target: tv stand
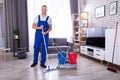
(92, 51)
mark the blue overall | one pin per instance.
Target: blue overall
(40, 41)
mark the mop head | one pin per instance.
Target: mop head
(49, 69)
(110, 68)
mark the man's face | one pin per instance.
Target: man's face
(44, 10)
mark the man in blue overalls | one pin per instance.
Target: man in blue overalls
(41, 22)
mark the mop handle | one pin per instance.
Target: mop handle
(58, 49)
(116, 31)
(44, 42)
(45, 48)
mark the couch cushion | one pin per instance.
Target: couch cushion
(50, 42)
(51, 49)
(61, 41)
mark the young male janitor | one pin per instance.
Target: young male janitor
(42, 21)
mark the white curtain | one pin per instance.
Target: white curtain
(1, 27)
(0, 34)
(59, 11)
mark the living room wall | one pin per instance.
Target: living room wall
(108, 21)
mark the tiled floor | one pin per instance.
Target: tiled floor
(87, 69)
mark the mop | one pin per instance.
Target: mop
(111, 68)
(48, 67)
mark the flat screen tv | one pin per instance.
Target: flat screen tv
(96, 37)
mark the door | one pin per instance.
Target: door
(109, 41)
(109, 46)
(117, 50)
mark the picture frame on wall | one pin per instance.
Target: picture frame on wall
(113, 8)
(100, 11)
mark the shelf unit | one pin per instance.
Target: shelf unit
(83, 27)
(80, 24)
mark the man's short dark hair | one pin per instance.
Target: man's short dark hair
(44, 6)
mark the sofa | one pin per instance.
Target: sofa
(60, 42)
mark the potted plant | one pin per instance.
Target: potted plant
(16, 33)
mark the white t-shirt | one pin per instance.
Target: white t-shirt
(43, 18)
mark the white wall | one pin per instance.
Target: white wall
(58, 10)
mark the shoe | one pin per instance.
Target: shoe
(34, 64)
(43, 65)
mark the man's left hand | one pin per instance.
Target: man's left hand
(44, 33)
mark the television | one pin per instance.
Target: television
(96, 37)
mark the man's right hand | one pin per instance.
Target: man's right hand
(41, 27)
(35, 27)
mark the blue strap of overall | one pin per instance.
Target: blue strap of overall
(46, 18)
